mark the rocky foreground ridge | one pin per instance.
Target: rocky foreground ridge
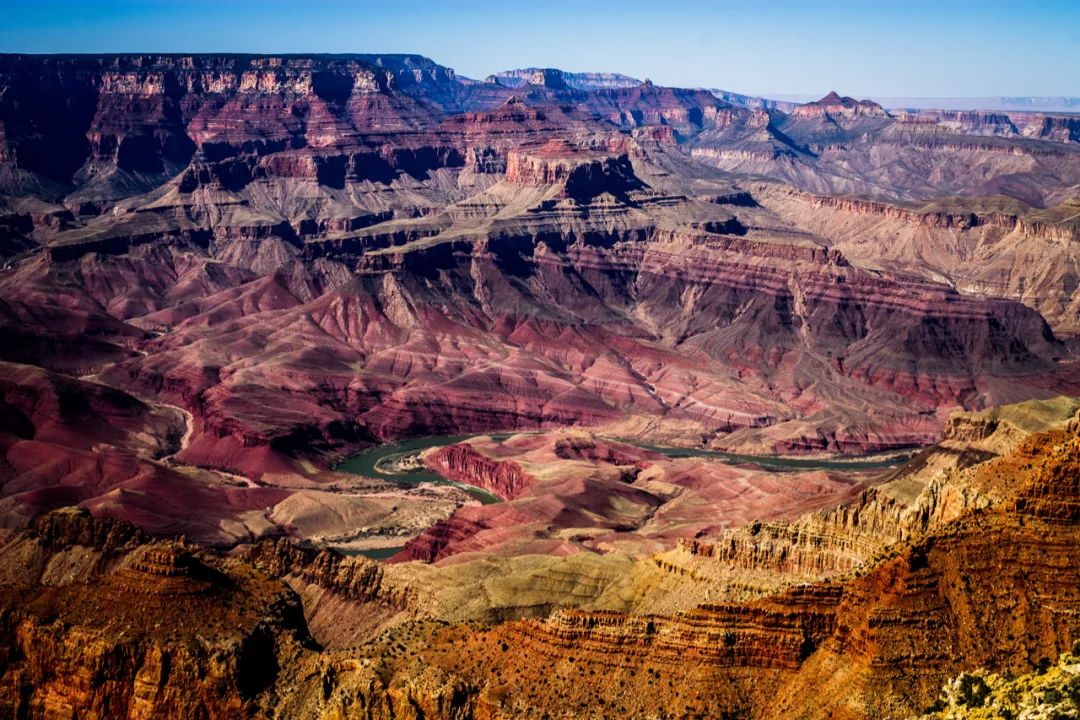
(991, 584)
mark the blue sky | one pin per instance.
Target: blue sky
(883, 48)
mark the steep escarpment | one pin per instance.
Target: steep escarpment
(991, 247)
(166, 645)
(776, 633)
(1063, 128)
(943, 219)
(460, 462)
(1057, 127)
(582, 175)
(346, 600)
(96, 130)
(85, 132)
(355, 578)
(824, 544)
(146, 117)
(75, 526)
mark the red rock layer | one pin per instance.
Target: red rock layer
(461, 463)
(582, 175)
(909, 338)
(832, 105)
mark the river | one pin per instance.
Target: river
(377, 462)
(784, 463)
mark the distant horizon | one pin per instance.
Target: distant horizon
(969, 102)
(771, 48)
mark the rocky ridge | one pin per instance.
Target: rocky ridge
(991, 247)
(461, 463)
(941, 483)
(905, 624)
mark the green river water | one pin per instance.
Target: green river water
(372, 462)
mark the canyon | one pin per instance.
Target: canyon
(625, 312)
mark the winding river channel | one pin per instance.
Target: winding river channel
(383, 461)
(380, 462)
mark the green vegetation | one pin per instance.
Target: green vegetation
(1047, 694)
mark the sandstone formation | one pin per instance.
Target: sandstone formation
(989, 246)
(838, 145)
(165, 635)
(462, 463)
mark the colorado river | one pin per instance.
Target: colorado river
(379, 462)
(781, 463)
(379, 553)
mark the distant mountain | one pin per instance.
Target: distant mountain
(577, 81)
(753, 101)
(1020, 103)
(1062, 103)
(835, 104)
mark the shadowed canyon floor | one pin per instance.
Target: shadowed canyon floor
(650, 404)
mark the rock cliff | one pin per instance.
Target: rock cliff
(990, 588)
(461, 463)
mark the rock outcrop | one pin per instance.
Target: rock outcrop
(583, 175)
(76, 526)
(354, 578)
(166, 634)
(461, 463)
(834, 106)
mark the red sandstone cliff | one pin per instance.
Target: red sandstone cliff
(461, 463)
